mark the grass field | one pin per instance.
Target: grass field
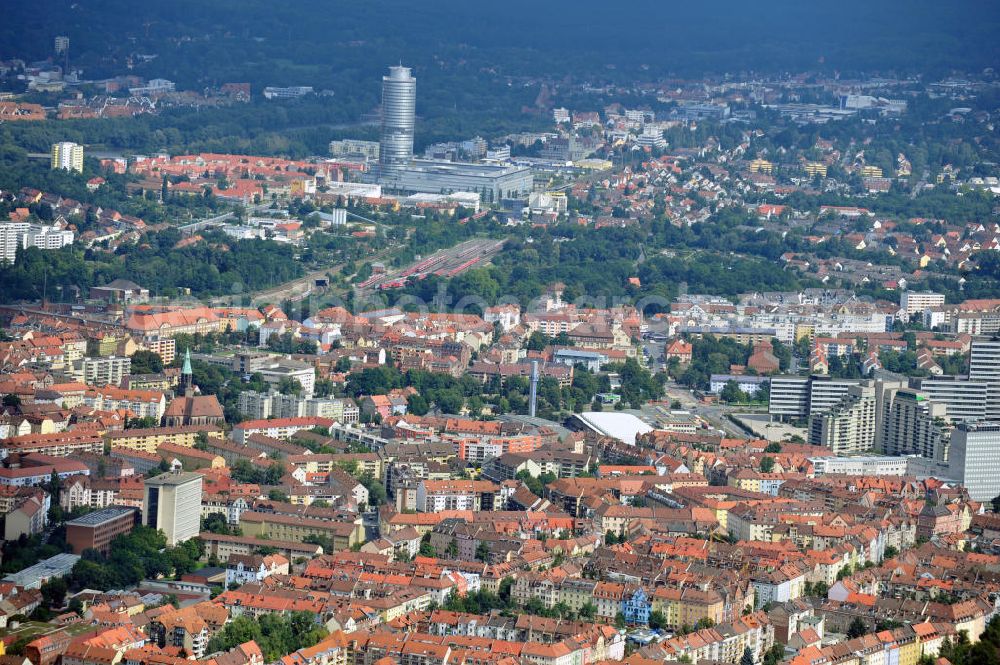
(33, 629)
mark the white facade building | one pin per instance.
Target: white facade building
(984, 365)
(915, 302)
(67, 155)
(849, 426)
(103, 371)
(869, 465)
(21, 235)
(975, 458)
(963, 399)
(260, 406)
(172, 504)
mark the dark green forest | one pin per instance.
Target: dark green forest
(218, 267)
(597, 263)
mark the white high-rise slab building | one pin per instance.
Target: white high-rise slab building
(975, 458)
(172, 504)
(915, 302)
(984, 366)
(15, 236)
(68, 156)
(963, 398)
(849, 426)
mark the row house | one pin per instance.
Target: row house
(84, 491)
(333, 650)
(225, 504)
(688, 605)
(474, 495)
(241, 569)
(140, 403)
(779, 585)
(56, 444)
(723, 643)
(149, 439)
(189, 628)
(35, 469)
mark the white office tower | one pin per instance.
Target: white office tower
(826, 392)
(984, 366)
(799, 397)
(399, 100)
(975, 458)
(172, 504)
(964, 399)
(789, 397)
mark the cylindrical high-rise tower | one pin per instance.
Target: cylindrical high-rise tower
(399, 99)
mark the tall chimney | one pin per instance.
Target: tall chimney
(534, 388)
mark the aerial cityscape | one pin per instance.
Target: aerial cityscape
(539, 333)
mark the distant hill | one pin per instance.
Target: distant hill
(339, 44)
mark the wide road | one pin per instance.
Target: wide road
(714, 414)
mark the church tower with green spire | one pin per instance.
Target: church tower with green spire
(188, 407)
(186, 387)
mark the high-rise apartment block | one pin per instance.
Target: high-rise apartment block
(102, 371)
(260, 406)
(913, 424)
(849, 426)
(915, 302)
(68, 156)
(15, 236)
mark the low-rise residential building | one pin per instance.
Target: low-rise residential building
(241, 568)
(475, 495)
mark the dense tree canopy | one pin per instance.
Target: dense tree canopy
(157, 265)
(275, 634)
(134, 557)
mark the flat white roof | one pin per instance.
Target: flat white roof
(622, 426)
